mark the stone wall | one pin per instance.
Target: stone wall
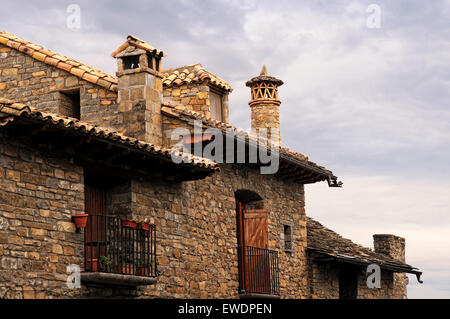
(324, 282)
(38, 195)
(140, 95)
(27, 80)
(266, 115)
(196, 98)
(197, 239)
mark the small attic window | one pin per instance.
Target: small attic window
(130, 62)
(69, 103)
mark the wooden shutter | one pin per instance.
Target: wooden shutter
(256, 233)
(215, 101)
(95, 232)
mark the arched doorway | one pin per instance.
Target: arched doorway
(256, 262)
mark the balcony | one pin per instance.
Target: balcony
(119, 252)
(258, 272)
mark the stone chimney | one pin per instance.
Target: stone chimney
(140, 90)
(265, 104)
(390, 245)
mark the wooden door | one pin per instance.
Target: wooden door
(254, 236)
(95, 233)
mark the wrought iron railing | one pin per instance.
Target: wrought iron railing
(258, 271)
(113, 246)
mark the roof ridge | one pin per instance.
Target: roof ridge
(180, 67)
(72, 66)
(197, 73)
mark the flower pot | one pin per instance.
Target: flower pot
(80, 220)
(128, 223)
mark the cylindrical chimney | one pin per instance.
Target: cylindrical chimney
(265, 104)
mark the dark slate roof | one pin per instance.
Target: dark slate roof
(325, 241)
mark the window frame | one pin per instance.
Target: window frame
(220, 97)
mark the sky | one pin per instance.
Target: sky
(366, 94)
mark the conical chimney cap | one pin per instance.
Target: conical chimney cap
(264, 77)
(264, 70)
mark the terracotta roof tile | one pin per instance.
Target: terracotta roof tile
(134, 41)
(64, 63)
(11, 111)
(192, 73)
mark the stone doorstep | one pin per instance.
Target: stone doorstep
(257, 296)
(116, 279)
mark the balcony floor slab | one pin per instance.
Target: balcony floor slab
(104, 278)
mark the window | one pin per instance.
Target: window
(287, 230)
(69, 103)
(215, 101)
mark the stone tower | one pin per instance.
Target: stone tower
(140, 90)
(265, 104)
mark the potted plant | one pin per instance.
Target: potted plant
(104, 263)
(144, 268)
(80, 220)
(128, 223)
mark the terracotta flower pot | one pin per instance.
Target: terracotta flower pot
(80, 220)
(129, 223)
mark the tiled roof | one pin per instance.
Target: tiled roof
(179, 111)
(72, 66)
(10, 112)
(326, 241)
(134, 41)
(191, 74)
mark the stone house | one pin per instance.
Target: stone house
(75, 140)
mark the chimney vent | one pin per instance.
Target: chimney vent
(265, 104)
(140, 90)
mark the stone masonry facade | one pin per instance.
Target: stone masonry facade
(196, 220)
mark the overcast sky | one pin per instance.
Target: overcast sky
(371, 104)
